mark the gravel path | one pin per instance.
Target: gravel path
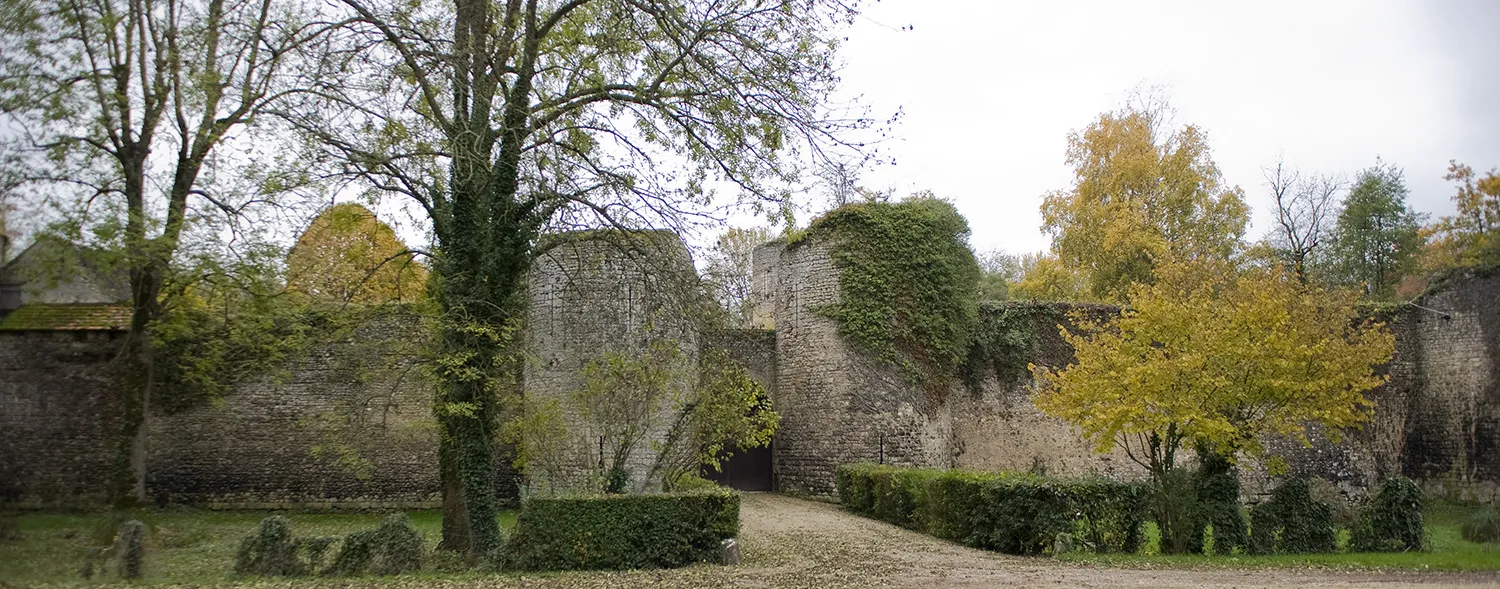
(796, 543)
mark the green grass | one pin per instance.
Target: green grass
(1448, 551)
(186, 546)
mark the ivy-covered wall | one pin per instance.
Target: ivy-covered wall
(1437, 420)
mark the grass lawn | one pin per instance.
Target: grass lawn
(1449, 551)
(187, 546)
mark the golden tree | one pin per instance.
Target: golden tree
(1472, 237)
(1142, 192)
(348, 254)
(1215, 359)
(1210, 356)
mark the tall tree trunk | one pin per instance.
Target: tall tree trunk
(456, 535)
(128, 478)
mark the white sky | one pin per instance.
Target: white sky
(990, 91)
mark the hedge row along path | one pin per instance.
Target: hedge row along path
(796, 543)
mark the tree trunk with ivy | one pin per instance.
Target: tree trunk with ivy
(550, 115)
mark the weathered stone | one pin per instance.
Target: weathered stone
(1437, 420)
(729, 552)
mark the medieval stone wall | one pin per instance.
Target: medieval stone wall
(593, 294)
(836, 404)
(999, 428)
(58, 415)
(1437, 420)
(349, 422)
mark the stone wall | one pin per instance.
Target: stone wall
(596, 293)
(58, 415)
(998, 428)
(1437, 420)
(349, 422)
(1452, 436)
(755, 349)
(836, 404)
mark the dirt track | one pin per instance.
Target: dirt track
(795, 543)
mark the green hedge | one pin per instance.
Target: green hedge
(623, 531)
(1011, 513)
(1393, 521)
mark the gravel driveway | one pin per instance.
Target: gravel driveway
(796, 543)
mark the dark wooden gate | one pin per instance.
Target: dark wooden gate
(746, 470)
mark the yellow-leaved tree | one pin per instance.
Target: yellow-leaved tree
(348, 254)
(1044, 277)
(1209, 356)
(1470, 238)
(1142, 192)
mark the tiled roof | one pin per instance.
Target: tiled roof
(67, 318)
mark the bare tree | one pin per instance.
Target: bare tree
(1303, 207)
(728, 271)
(121, 104)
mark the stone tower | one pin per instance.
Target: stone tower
(607, 291)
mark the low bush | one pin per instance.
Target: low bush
(899, 495)
(623, 531)
(691, 482)
(272, 551)
(1292, 522)
(269, 551)
(1482, 526)
(1011, 513)
(1392, 522)
(391, 549)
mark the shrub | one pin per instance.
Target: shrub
(899, 495)
(1292, 522)
(269, 550)
(1175, 507)
(1482, 526)
(1393, 521)
(855, 483)
(1218, 490)
(692, 482)
(132, 549)
(1011, 513)
(391, 549)
(623, 531)
(314, 549)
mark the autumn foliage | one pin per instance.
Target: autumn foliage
(1208, 356)
(347, 254)
(1142, 192)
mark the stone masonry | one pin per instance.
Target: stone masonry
(350, 422)
(596, 294)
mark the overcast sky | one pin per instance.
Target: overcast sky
(990, 91)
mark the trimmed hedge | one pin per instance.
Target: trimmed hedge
(623, 531)
(1010, 513)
